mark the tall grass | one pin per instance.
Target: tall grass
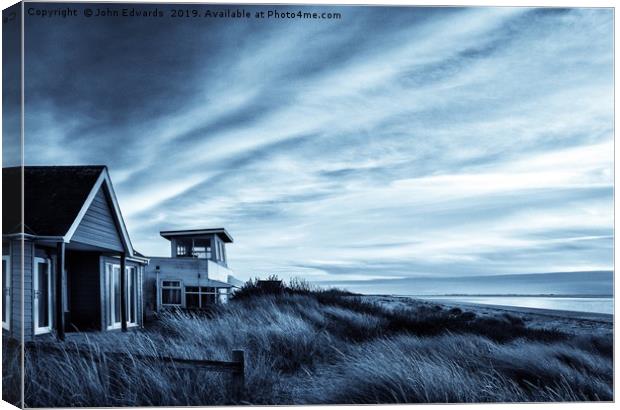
(308, 346)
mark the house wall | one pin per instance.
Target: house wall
(86, 292)
(98, 227)
(13, 248)
(84, 289)
(140, 272)
(218, 271)
(191, 271)
(149, 292)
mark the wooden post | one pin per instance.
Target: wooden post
(60, 271)
(123, 292)
(238, 376)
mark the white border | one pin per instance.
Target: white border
(525, 3)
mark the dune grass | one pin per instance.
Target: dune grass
(310, 346)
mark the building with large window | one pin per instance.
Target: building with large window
(67, 260)
(195, 275)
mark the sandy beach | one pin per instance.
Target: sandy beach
(567, 321)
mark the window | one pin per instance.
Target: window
(220, 254)
(199, 297)
(113, 290)
(6, 295)
(201, 248)
(42, 286)
(182, 250)
(171, 293)
(132, 295)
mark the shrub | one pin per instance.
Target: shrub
(455, 311)
(274, 286)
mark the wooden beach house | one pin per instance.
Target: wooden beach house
(195, 275)
(80, 271)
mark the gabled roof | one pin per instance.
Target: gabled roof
(221, 232)
(53, 197)
(55, 200)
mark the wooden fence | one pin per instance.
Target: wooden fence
(236, 367)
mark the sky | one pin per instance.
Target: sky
(391, 143)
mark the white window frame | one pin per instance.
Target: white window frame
(111, 297)
(35, 308)
(162, 288)
(132, 302)
(6, 293)
(200, 292)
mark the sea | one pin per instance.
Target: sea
(569, 303)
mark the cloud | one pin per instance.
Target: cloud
(449, 141)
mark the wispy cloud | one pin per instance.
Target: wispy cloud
(396, 142)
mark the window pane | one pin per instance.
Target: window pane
(207, 299)
(191, 301)
(135, 299)
(201, 248)
(132, 291)
(176, 297)
(129, 297)
(210, 290)
(116, 286)
(191, 288)
(43, 295)
(171, 296)
(184, 247)
(171, 283)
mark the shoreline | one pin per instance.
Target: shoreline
(574, 322)
(593, 316)
(573, 314)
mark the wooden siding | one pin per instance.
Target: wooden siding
(84, 290)
(17, 292)
(98, 227)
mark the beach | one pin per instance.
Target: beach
(564, 320)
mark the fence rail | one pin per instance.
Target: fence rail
(236, 367)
